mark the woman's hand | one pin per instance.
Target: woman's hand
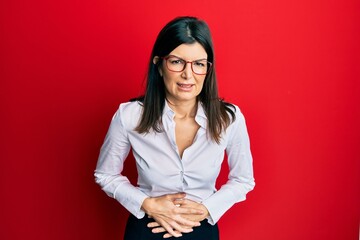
(182, 203)
(187, 203)
(173, 219)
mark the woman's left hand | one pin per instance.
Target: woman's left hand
(156, 227)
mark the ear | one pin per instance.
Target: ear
(155, 61)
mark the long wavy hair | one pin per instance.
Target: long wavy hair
(183, 30)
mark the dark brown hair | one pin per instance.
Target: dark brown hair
(179, 31)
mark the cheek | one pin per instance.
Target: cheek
(168, 81)
(170, 77)
(201, 83)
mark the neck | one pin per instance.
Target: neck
(183, 109)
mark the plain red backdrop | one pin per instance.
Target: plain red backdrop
(291, 66)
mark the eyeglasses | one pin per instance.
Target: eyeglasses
(176, 64)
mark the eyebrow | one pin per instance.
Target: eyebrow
(200, 59)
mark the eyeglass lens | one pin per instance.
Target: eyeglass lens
(178, 65)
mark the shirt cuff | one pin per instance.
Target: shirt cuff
(217, 204)
(132, 201)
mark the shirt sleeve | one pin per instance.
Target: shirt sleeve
(240, 179)
(113, 153)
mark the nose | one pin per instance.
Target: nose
(187, 73)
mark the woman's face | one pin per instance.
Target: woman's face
(186, 85)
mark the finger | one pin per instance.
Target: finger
(187, 201)
(168, 235)
(188, 210)
(169, 228)
(176, 196)
(158, 230)
(179, 201)
(184, 228)
(161, 229)
(186, 222)
(153, 224)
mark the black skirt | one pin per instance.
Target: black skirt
(136, 229)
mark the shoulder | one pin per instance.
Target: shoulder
(233, 111)
(130, 108)
(236, 116)
(237, 130)
(129, 114)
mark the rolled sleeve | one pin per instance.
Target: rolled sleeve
(240, 178)
(113, 153)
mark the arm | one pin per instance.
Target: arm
(113, 153)
(240, 179)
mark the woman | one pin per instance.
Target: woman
(178, 132)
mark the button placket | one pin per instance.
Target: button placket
(182, 177)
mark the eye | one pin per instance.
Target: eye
(176, 61)
(201, 64)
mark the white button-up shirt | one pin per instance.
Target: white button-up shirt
(161, 170)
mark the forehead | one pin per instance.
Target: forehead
(193, 51)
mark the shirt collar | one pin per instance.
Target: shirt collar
(200, 117)
(168, 111)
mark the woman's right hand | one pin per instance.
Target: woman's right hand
(166, 213)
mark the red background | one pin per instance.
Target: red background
(292, 67)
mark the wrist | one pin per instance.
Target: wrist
(146, 205)
(206, 211)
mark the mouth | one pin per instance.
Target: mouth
(185, 86)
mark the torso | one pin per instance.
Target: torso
(185, 132)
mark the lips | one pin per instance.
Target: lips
(185, 86)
